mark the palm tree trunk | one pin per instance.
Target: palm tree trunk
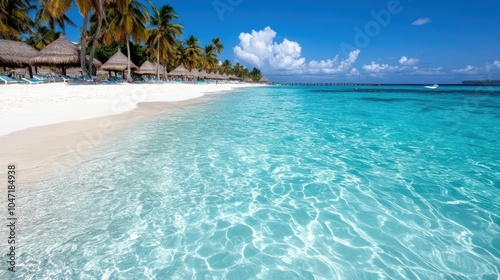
(83, 43)
(129, 78)
(97, 32)
(158, 62)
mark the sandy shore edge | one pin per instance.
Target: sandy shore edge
(44, 151)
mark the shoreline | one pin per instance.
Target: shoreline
(43, 151)
(26, 106)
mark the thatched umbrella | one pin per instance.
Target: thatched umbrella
(218, 76)
(61, 52)
(195, 73)
(225, 77)
(234, 77)
(118, 63)
(263, 80)
(180, 71)
(16, 54)
(211, 76)
(203, 74)
(147, 68)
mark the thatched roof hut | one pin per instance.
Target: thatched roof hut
(203, 74)
(15, 53)
(218, 76)
(263, 80)
(211, 76)
(195, 73)
(147, 68)
(180, 71)
(118, 62)
(60, 52)
(248, 80)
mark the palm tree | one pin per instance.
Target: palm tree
(53, 12)
(163, 35)
(179, 55)
(226, 67)
(85, 7)
(209, 59)
(238, 70)
(127, 21)
(245, 73)
(99, 15)
(193, 52)
(217, 44)
(42, 37)
(255, 74)
(14, 18)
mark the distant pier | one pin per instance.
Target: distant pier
(326, 84)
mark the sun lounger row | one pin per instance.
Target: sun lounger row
(9, 80)
(93, 80)
(37, 79)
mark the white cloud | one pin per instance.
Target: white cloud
(259, 49)
(378, 68)
(493, 66)
(487, 68)
(408, 61)
(406, 66)
(404, 62)
(429, 71)
(469, 70)
(421, 21)
(334, 66)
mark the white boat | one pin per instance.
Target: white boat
(434, 86)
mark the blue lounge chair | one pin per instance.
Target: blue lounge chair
(40, 78)
(115, 79)
(32, 81)
(65, 78)
(9, 80)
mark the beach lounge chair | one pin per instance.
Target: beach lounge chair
(65, 78)
(115, 79)
(91, 79)
(40, 78)
(9, 80)
(32, 81)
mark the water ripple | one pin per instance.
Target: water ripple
(278, 185)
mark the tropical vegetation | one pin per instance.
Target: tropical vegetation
(136, 27)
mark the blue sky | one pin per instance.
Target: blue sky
(389, 41)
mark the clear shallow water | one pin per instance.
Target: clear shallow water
(282, 183)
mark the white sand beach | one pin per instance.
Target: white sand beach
(23, 106)
(47, 127)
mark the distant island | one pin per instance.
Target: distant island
(482, 82)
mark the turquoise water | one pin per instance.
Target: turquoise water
(282, 183)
